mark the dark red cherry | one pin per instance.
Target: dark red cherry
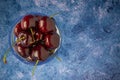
(25, 22)
(17, 29)
(32, 22)
(51, 26)
(38, 17)
(52, 41)
(46, 24)
(44, 53)
(22, 51)
(39, 53)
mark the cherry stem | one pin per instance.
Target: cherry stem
(34, 68)
(5, 55)
(58, 58)
(20, 39)
(7, 51)
(32, 34)
(51, 16)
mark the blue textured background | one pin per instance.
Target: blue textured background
(90, 31)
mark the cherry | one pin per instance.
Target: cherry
(51, 27)
(44, 53)
(39, 53)
(22, 50)
(32, 21)
(25, 22)
(46, 24)
(52, 40)
(38, 17)
(17, 29)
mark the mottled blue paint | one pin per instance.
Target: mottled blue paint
(90, 32)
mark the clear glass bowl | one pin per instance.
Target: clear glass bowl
(13, 38)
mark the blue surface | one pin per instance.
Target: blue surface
(90, 48)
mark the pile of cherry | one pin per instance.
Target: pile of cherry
(36, 37)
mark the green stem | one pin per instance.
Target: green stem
(54, 55)
(34, 68)
(32, 34)
(58, 58)
(5, 55)
(7, 51)
(51, 16)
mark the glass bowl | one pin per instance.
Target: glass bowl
(13, 38)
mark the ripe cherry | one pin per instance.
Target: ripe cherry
(46, 24)
(17, 29)
(52, 40)
(39, 53)
(26, 22)
(22, 50)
